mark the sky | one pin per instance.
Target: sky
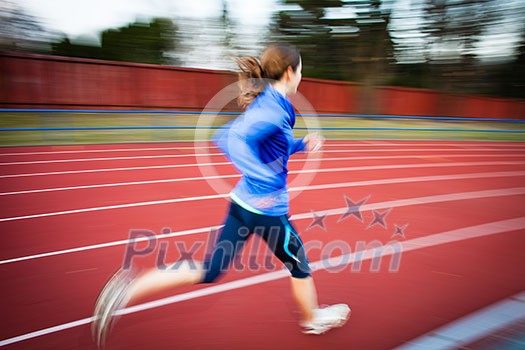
(80, 17)
(87, 18)
(83, 21)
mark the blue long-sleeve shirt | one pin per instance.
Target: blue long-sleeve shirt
(259, 143)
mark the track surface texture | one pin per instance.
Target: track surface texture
(412, 235)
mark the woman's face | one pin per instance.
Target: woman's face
(295, 78)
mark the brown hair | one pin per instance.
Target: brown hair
(254, 74)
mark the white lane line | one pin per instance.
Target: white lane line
(74, 160)
(338, 211)
(118, 184)
(427, 150)
(411, 179)
(146, 149)
(328, 144)
(379, 144)
(292, 189)
(218, 154)
(67, 172)
(204, 178)
(119, 206)
(457, 235)
(472, 327)
(103, 170)
(108, 244)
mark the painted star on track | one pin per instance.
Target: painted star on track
(353, 208)
(400, 231)
(318, 220)
(379, 218)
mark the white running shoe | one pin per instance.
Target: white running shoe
(113, 297)
(324, 319)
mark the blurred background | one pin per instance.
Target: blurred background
(84, 73)
(438, 58)
(467, 46)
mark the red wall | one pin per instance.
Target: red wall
(331, 96)
(32, 81)
(37, 81)
(406, 101)
(395, 101)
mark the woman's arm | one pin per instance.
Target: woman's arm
(298, 146)
(313, 142)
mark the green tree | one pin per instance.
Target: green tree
(373, 47)
(311, 33)
(137, 42)
(440, 44)
(352, 47)
(509, 78)
(66, 48)
(454, 29)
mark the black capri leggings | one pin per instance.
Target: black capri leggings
(277, 231)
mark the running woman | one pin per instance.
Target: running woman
(258, 143)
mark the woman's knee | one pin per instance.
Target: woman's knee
(299, 270)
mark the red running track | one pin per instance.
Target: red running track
(61, 242)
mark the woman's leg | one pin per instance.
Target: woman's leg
(232, 238)
(285, 243)
(305, 295)
(288, 247)
(123, 290)
(154, 280)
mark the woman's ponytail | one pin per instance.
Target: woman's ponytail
(251, 79)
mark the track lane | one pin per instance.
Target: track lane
(116, 224)
(371, 294)
(143, 191)
(419, 219)
(17, 151)
(7, 168)
(78, 268)
(131, 173)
